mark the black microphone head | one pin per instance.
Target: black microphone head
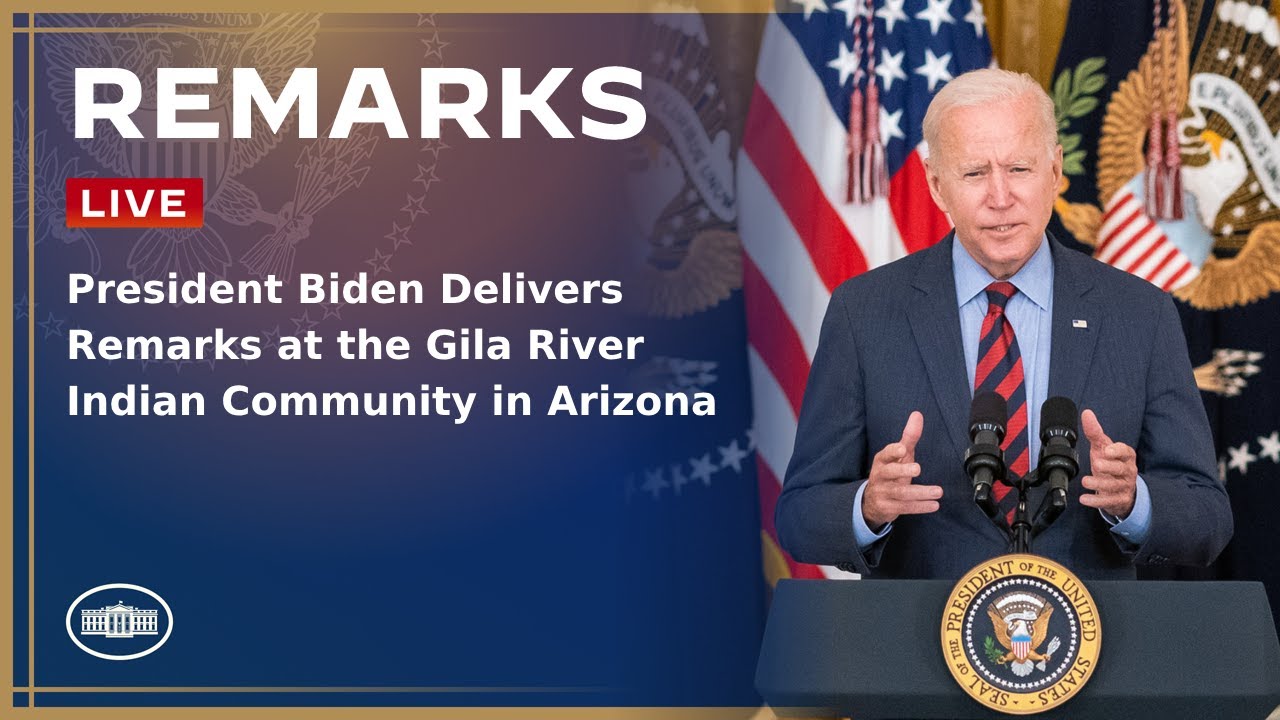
(988, 408)
(1058, 419)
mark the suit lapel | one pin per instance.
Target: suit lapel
(1076, 323)
(935, 324)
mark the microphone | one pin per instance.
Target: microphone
(1058, 457)
(984, 461)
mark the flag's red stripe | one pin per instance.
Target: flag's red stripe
(773, 336)
(1119, 229)
(919, 221)
(1113, 209)
(770, 489)
(831, 245)
(1137, 237)
(1155, 273)
(1133, 266)
(1173, 281)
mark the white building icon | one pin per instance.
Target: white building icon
(119, 620)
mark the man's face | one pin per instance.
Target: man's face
(995, 177)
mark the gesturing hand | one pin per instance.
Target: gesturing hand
(889, 491)
(1114, 481)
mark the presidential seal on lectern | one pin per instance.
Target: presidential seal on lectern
(1021, 634)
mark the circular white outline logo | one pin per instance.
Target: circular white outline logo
(119, 586)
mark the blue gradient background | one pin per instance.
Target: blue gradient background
(410, 551)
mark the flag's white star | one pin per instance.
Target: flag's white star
(1240, 458)
(891, 125)
(851, 9)
(703, 469)
(938, 12)
(976, 18)
(732, 456)
(846, 63)
(935, 68)
(1270, 447)
(810, 6)
(890, 68)
(891, 13)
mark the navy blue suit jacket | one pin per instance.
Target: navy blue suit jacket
(890, 344)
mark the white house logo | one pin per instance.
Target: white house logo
(119, 621)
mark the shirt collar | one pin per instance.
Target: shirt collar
(1034, 279)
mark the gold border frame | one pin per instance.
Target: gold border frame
(7, 329)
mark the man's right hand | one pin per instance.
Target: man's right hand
(889, 491)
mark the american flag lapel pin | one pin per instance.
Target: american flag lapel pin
(1083, 324)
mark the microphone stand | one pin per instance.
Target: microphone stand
(1020, 531)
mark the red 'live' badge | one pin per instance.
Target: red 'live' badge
(135, 202)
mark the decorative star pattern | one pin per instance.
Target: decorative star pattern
(413, 206)
(23, 308)
(51, 325)
(304, 323)
(399, 235)
(333, 310)
(700, 470)
(434, 45)
(380, 262)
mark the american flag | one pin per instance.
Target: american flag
(1134, 242)
(801, 237)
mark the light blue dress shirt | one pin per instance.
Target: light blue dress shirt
(1030, 311)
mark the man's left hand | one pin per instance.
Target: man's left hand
(1114, 481)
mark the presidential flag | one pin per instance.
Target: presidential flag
(831, 183)
(1171, 174)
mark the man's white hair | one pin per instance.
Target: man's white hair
(982, 87)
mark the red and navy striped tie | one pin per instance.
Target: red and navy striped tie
(1000, 371)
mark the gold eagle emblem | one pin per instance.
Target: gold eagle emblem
(1233, 234)
(1021, 624)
